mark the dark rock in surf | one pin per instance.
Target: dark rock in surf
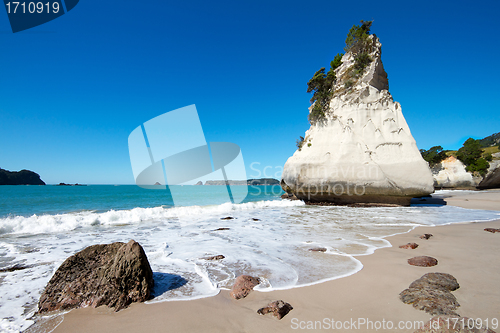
(243, 286)
(318, 249)
(217, 257)
(114, 274)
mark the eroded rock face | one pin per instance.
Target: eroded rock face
(114, 274)
(451, 173)
(243, 286)
(491, 180)
(432, 294)
(363, 151)
(279, 309)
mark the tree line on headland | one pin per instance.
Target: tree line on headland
(472, 153)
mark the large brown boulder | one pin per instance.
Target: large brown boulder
(114, 274)
(432, 294)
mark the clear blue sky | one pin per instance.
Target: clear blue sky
(73, 89)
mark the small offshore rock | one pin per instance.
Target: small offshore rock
(217, 257)
(243, 286)
(452, 324)
(114, 274)
(493, 230)
(432, 293)
(227, 218)
(279, 309)
(423, 261)
(318, 249)
(409, 246)
(426, 236)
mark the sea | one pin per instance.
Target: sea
(41, 226)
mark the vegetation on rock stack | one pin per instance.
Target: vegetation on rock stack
(23, 177)
(434, 155)
(321, 85)
(470, 155)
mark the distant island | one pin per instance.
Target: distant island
(23, 177)
(76, 184)
(261, 181)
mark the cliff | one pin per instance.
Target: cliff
(361, 150)
(23, 177)
(451, 173)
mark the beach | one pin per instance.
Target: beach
(363, 302)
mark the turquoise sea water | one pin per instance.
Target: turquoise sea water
(40, 226)
(51, 199)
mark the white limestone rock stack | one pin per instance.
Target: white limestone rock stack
(451, 173)
(363, 151)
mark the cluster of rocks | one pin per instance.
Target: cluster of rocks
(118, 274)
(432, 293)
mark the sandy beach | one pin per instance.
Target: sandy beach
(465, 251)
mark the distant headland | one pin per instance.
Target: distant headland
(261, 181)
(23, 177)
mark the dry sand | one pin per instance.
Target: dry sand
(466, 251)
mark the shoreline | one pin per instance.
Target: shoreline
(464, 250)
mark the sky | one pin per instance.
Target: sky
(73, 89)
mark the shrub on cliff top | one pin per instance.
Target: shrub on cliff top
(434, 155)
(358, 37)
(321, 84)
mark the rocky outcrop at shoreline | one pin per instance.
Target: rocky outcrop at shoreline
(361, 150)
(114, 275)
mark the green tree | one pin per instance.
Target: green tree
(434, 155)
(321, 85)
(470, 155)
(300, 142)
(357, 36)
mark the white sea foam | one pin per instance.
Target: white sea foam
(39, 224)
(275, 247)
